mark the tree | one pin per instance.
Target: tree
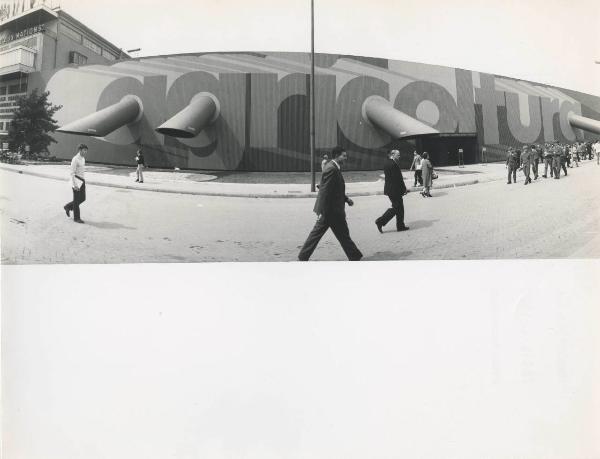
(31, 124)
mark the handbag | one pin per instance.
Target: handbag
(433, 176)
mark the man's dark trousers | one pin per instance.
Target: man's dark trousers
(339, 226)
(397, 210)
(78, 198)
(535, 167)
(512, 170)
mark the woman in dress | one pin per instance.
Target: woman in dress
(427, 171)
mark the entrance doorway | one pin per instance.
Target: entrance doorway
(444, 149)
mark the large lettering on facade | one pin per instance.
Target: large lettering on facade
(270, 111)
(221, 144)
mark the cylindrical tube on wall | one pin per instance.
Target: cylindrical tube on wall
(582, 122)
(101, 123)
(382, 114)
(202, 110)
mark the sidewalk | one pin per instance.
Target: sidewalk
(197, 183)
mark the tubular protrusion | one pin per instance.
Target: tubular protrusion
(582, 122)
(202, 110)
(382, 114)
(101, 123)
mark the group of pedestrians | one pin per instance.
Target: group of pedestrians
(332, 199)
(423, 170)
(556, 156)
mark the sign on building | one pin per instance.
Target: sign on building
(12, 8)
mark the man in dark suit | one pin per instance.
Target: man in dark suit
(394, 188)
(330, 209)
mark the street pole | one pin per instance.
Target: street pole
(312, 95)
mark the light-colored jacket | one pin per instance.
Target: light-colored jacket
(427, 171)
(77, 169)
(416, 164)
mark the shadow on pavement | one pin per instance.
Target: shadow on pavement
(108, 225)
(416, 224)
(387, 255)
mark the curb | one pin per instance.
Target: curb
(234, 194)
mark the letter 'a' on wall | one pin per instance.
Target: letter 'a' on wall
(128, 110)
(203, 110)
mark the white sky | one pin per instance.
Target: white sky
(547, 41)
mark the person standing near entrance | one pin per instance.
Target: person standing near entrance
(139, 158)
(416, 166)
(526, 163)
(427, 168)
(394, 188)
(512, 165)
(77, 183)
(330, 209)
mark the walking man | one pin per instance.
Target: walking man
(548, 161)
(536, 156)
(512, 165)
(139, 158)
(77, 183)
(394, 188)
(526, 163)
(563, 157)
(556, 161)
(330, 209)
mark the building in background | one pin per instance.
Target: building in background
(36, 37)
(250, 110)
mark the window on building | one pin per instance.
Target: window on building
(72, 34)
(107, 54)
(77, 58)
(1, 126)
(3, 90)
(91, 45)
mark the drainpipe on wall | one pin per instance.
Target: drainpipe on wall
(56, 42)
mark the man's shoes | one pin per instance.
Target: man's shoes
(79, 220)
(68, 212)
(136, 180)
(141, 181)
(379, 227)
(404, 228)
(508, 183)
(545, 176)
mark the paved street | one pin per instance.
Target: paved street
(547, 219)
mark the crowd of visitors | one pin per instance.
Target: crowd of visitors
(556, 156)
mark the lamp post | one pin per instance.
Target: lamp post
(312, 95)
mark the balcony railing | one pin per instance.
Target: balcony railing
(18, 59)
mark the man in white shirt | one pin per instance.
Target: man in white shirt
(77, 183)
(596, 149)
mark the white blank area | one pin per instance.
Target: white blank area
(324, 360)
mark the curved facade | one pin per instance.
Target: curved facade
(250, 111)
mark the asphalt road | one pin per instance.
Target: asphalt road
(547, 219)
